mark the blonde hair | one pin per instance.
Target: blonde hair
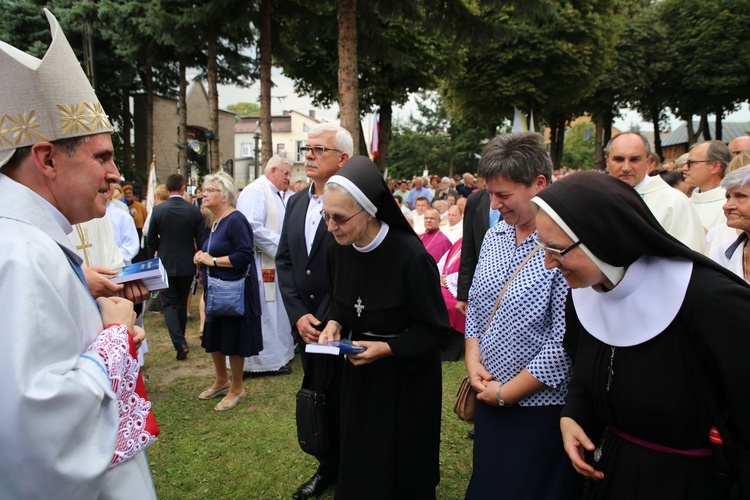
(738, 161)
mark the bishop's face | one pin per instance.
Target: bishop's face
(81, 187)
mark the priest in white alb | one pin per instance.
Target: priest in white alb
(263, 202)
(75, 417)
(704, 169)
(627, 159)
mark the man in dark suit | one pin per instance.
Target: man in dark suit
(476, 223)
(301, 265)
(175, 230)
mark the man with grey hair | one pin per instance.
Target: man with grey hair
(705, 169)
(75, 418)
(419, 191)
(627, 156)
(263, 202)
(302, 267)
(739, 144)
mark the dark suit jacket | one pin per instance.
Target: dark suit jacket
(175, 230)
(303, 279)
(476, 223)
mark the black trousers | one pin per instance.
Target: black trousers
(174, 304)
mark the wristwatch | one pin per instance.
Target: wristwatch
(214, 261)
(500, 400)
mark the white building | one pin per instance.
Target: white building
(289, 132)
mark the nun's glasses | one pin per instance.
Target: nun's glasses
(339, 220)
(555, 251)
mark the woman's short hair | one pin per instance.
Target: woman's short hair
(737, 179)
(226, 185)
(161, 193)
(738, 161)
(520, 157)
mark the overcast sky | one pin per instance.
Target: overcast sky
(283, 98)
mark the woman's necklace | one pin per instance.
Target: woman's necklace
(216, 222)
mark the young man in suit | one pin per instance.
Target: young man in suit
(302, 273)
(176, 229)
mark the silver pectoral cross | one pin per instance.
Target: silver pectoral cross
(359, 306)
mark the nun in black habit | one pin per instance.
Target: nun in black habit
(385, 291)
(660, 344)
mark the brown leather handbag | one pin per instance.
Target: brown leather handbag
(466, 401)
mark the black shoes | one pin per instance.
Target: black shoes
(182, 354)
(284, 370)
(312, 487)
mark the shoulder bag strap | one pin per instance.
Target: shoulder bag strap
(507, 284)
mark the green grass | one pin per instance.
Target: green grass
(251, 451)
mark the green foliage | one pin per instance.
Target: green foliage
(579, 146)
(709, 60)
(548, 59)
(245, 108)
(433, 143)
(251, 451)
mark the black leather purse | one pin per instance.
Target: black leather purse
(314, 421)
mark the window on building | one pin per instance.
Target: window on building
(305, 127)
(246, 149)
(298, 155)
(281, 149)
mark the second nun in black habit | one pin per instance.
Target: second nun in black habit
(386, 296)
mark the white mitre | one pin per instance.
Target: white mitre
(45, 99)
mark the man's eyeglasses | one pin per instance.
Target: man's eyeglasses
(555, 251)
(316, 150)
(339, 220)
(690, 163)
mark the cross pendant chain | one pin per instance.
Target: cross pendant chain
(611, 369)
(359, 306)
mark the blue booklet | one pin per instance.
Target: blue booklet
(335, 348)
(151, 272)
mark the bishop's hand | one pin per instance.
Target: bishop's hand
(331, 333)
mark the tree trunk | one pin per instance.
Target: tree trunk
(690, 131)
(386, 131)
(607, 125)
(657, 136)
(182, 160)
(127, 146)
(149, 121)
(348, 75)
(213, 106)
(557, 136)
(266, 60)
(599, 161)
(718, 130)
(704, 128)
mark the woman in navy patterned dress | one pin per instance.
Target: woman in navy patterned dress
(514, 353)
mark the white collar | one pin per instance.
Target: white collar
(643, 183)
(376, 241)
(56, 214)
(640, 307)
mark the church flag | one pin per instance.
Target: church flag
(375, 139)
(153, 182)
(519, 121)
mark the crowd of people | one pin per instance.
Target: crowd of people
(586, 386)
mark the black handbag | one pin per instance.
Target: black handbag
(313, 422)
